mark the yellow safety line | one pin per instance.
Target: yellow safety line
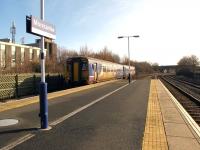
(27, 101)
(154, 135)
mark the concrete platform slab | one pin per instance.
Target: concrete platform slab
(171, 115)
(180, 143)
(180, 130)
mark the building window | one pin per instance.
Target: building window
(38, 53)
(31, 54)
(22, 55)
(13, 54)
(3, 54)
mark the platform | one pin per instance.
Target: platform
(132, 117)
(166, 126)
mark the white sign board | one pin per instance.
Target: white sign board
(40, 27)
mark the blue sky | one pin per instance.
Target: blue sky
(168, 29)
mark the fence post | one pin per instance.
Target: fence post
(34, 84)
(62, 82)
(47, 81)
(58, 82)
(16, 86)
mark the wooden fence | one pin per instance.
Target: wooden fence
(16, 86)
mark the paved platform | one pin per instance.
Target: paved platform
(117, 122)
(12, 104)
(111, 116)
(166, 126)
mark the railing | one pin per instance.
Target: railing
(16, 86)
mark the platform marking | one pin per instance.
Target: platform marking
(86, 106)
(154, 135)
(17, 142)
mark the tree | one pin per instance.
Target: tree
(106, 54)
(155, 67)
(187, 66)
(143, 68)
(84, 51)
(125, 60)
(116, 58)
(189, 61)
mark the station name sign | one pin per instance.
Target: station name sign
(39, 27)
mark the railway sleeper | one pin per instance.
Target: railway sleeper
(193, 110)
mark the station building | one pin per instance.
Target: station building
(12, 55)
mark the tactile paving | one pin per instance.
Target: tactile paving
(154, 135)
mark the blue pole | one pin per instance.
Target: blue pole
(43, 105)
(43, 85)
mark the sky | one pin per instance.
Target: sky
(168, 29)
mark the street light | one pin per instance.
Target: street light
(134, 36)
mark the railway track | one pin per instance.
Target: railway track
(190, 88)
(186, 95)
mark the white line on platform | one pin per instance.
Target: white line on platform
(17, 142)
(84, 107)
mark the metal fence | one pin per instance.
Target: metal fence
(16, 86)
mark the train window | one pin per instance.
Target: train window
(91, 69)
(104, 68)
(84, 67)
(99, 68)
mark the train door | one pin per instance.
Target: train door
(95, 72)
(76, 71)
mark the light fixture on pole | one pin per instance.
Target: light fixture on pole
(134, 36)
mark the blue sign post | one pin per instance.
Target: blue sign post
(43, 85)
(40, 27)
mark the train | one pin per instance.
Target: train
(87, 70)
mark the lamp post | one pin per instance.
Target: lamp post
(134, 36)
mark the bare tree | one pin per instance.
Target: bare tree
(125, 60)
(116, 58)
(189, 61)
(187, 66)
(143, 68)
(106, 54)
(84, 51)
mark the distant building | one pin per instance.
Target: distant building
(15, 54)
(49, 45)
(12, 55)
(168, 69)
(5, 40)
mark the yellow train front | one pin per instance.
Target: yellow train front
(85, 70)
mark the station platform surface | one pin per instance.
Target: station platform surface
(166, 127)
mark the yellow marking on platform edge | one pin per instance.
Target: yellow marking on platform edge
(31, 100)
(154, 135)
